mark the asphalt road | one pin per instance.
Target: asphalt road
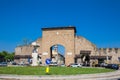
(100, 76)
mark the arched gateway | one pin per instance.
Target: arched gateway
(77, 49)
(64, 36)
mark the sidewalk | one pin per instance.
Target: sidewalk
(101, 76)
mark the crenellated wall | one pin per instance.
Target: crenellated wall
(23, 53)
(23, 50)
(113, 52)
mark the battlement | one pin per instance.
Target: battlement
(108, 50)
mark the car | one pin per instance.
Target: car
(103, 65)
(3, 64)
(53, 64)
(62, 65)
(75, 65)
(113, 66)
(97, 65)
(13, 63)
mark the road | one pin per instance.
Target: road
(100, 76)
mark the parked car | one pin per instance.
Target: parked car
(13, 63)
(62, 65)
(103, 65)
(86, 64)
(75, 65)
(97, 65)
(53, 64)
(112, 66)
(3, 64)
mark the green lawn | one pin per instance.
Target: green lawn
(53, 70)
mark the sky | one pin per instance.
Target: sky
(96, 20)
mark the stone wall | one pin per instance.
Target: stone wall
(39, 41)
(23, 53)
(113, 52)
(64, 37)
(73, 46)
(83, 44)
(23, 50)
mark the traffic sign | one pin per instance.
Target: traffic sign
(48, 61)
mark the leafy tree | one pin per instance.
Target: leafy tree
(4, 53)
(1, 57)
(6, 56)
(12, 56)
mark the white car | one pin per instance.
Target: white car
(62, 65)
(75, 65)
(103, 64)
(53, 64)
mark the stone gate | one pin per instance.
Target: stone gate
(64, 36)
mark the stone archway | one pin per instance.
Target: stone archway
(85, 57)
(64, 36)
(57, 52)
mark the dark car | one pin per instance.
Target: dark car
(112, 66)
(14, 63)
(3, 64)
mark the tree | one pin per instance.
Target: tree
(1, 57)
(12, 56)
(6, 56)
(3, 54)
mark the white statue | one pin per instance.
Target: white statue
(35, 54)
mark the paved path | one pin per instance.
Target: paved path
(101, 76)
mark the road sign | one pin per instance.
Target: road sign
(48, 61)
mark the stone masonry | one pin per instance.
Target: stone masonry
(63, 36)
(77, 48)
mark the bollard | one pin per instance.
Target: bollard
(47, 70)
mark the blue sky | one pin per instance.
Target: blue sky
(96, 20)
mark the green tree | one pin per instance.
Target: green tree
(3, 54)
(1, 57)
(12, 56)
(9, 57)
(6, 56)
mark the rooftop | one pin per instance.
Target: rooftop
(57, 28)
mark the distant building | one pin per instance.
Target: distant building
(57, 57)
(77, 48)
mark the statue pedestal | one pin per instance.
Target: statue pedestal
(34, 59)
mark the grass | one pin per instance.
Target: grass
(53, 70)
